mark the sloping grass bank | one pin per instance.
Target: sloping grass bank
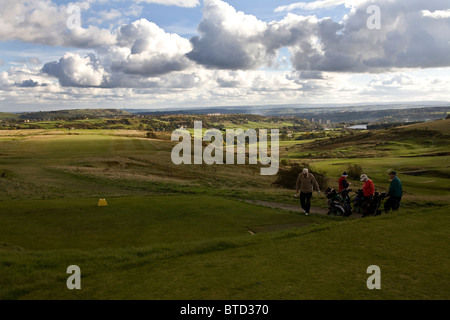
(321, 261)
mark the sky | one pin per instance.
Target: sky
(155, 54)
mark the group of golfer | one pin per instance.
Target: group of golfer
(306, 182)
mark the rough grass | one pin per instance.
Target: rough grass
(318, 262)
(132, 221)
(179, 232)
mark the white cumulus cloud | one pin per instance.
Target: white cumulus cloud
(314, 5)
(228, 39)
(74, 70)
(149, 50)
(44, 22)
(178, 3)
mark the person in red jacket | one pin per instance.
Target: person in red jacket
(368, 187)
(368, 193)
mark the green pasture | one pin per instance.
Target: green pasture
(189, 232)
(132, 221)
(319, 261)
(419, 153)
(254, 125)
(433, 182)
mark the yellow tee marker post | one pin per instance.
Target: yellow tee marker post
(102, 203)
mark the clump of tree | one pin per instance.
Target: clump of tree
(287, 176)
(152, 135)
(354, 171)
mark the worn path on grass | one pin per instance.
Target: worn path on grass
(277, 227)
(288, 207)
(294, 207)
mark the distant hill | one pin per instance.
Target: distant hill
(372, 115)
(335, 114)
(416, 140)
(441, 127)
(8, 116)
(77, 114)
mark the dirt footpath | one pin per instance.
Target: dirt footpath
(294, 207)
(289, 207)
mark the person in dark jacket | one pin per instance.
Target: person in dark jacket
(343, 183)
(395, 193)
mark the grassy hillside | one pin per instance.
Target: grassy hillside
(8, 116)
(189, 232)
(419, 153)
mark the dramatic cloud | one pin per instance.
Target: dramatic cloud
(228, 39)
(179, 3)
(407, 39)
(43, 22)
(5, 81)
(73, 70)
(143, 51)
(298, 34)
(149, 50)
(318, 5)
(232, 40)
(235, 58)
(29, 84)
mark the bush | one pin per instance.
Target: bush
(287, 177)
(354, 171)
(4, 173)
(152, 135)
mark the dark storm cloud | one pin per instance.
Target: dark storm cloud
(28, 84)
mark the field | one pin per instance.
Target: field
(194, 232)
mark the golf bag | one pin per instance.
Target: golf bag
(375, 208)
(358, 202)
(368, 206)
(338, 203)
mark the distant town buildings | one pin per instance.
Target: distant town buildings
(324, 122)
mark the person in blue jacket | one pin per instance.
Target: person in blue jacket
(395, 193)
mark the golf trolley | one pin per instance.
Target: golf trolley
(368, 206)
(339, 203)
